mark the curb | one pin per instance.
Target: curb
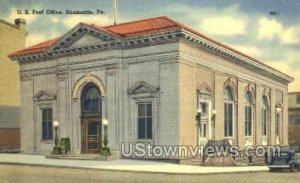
(133, 171)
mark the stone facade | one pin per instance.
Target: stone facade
(175, 70)
(294, 118)
(12, 38)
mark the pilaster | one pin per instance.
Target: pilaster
(271, 127)
(240, 121)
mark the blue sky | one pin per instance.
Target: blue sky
(243, 24)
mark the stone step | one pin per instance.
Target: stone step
(85, 157)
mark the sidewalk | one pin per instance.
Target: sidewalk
(124, 165)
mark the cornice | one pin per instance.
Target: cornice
(218, 67)
(234, 57)
(125, 43)
(26, 76)
(77, 32)
(62, 74)
(228, 72)
(154, 39)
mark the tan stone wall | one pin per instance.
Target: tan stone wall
(240, 118)
(12, 39)
(258, 124)
(191, 78)
(187, 106)
(197, 67)
(219, 98)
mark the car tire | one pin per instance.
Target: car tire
(294, 168)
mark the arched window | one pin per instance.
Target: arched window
(228, 112)
(265, 115)
(248, 114)
(91, 98)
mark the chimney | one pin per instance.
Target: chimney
(21, 24)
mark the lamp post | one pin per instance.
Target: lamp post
(56, 148)
(105, 151)
(105, 123)
(56, 124)
(278, 109)
(213, 116)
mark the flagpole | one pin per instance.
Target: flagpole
(115, 12)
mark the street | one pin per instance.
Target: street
(40, 174)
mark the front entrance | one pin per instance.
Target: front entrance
(91, 119)
(91, 133)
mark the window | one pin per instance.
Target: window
(228, 112)
(294, 120)
(47, 119)
(248, 114)
(144, 121)
(204, 109)
(91, 99)
(298, 98)
(264, 115)
(204, 106)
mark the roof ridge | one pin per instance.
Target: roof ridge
(181, 25)
(99, 27)
(136, 21)
(8, 23)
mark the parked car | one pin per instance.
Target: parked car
(286, 159)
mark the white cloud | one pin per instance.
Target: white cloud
(225, 21)
(224, 25)
(271, 29)
(279, 65)
(290, 36)
(54, 19)
(284, 67)
(73, 20)
(14, 15)
(289, 65)
(294, 86)
(268, 28)
(70, 22)
(34, 38)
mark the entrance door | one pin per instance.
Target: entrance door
(91, 135)
(91, 119)
(205, 122)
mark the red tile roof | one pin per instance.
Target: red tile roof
(134, 28)
(145, 26)
(36, 48)
(137, 28)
